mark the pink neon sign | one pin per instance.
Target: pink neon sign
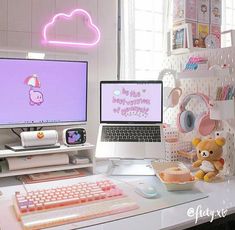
(90, 24)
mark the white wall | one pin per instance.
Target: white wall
(21, 23)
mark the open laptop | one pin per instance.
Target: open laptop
(131, 114)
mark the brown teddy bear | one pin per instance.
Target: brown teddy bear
(209, 152)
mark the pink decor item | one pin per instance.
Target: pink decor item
(33, 81)
(75, 12)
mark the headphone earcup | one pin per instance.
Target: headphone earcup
(198, 121)
(178, 123)
(173, 97)
(186, 121)
(205, 125)
(167, 96)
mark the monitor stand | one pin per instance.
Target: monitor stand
(130, 167)
(17, 147)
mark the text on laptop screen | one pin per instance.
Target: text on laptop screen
(131, 102)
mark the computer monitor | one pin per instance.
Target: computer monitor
(38, 93)
(131, 102)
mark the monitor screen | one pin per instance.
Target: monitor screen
(127, 102)
(42, 92)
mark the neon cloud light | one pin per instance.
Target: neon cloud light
(90, 24)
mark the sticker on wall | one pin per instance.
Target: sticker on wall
(88, 34)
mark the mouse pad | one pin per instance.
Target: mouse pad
(164, 200)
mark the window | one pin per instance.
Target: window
(228, 15)
(228, 21)
(145, 38)
(144, 27)
(149, 38)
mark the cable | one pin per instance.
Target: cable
(17, 134)
(24, 186)
(37, 128)
(23, 183)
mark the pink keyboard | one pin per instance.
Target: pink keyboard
(86, 200)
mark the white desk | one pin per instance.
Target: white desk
(221, 195)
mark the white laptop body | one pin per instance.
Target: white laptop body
(128, 104)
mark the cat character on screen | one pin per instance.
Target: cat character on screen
(35, 95)
(74, 136)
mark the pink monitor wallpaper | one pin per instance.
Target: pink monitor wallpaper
(40, 92)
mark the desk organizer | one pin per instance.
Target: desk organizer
(172, 149)
(26, 162)
(85, 150)
(187, 156)
(170, 134)
(204, 74)
(223, 110)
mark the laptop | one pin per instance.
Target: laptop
(131, 115)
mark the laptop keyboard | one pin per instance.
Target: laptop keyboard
(131, 134)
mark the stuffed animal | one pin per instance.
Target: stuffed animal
(209, 152)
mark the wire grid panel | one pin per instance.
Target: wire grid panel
(207, 86)
(170, 133)
(172, 149)
(228, 156)
(228, 148)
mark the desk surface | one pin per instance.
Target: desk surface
(221, 196)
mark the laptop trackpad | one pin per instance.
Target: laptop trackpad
(130, 150)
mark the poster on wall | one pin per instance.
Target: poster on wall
(181, 38)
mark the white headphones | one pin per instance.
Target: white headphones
(171, 95)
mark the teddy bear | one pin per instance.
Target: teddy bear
(209, 152)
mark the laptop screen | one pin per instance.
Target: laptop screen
(131, 102)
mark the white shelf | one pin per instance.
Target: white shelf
(202, 74)
(24, 53)
(195, 49)
(9, 153)
(7, 173)
(82, 150)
